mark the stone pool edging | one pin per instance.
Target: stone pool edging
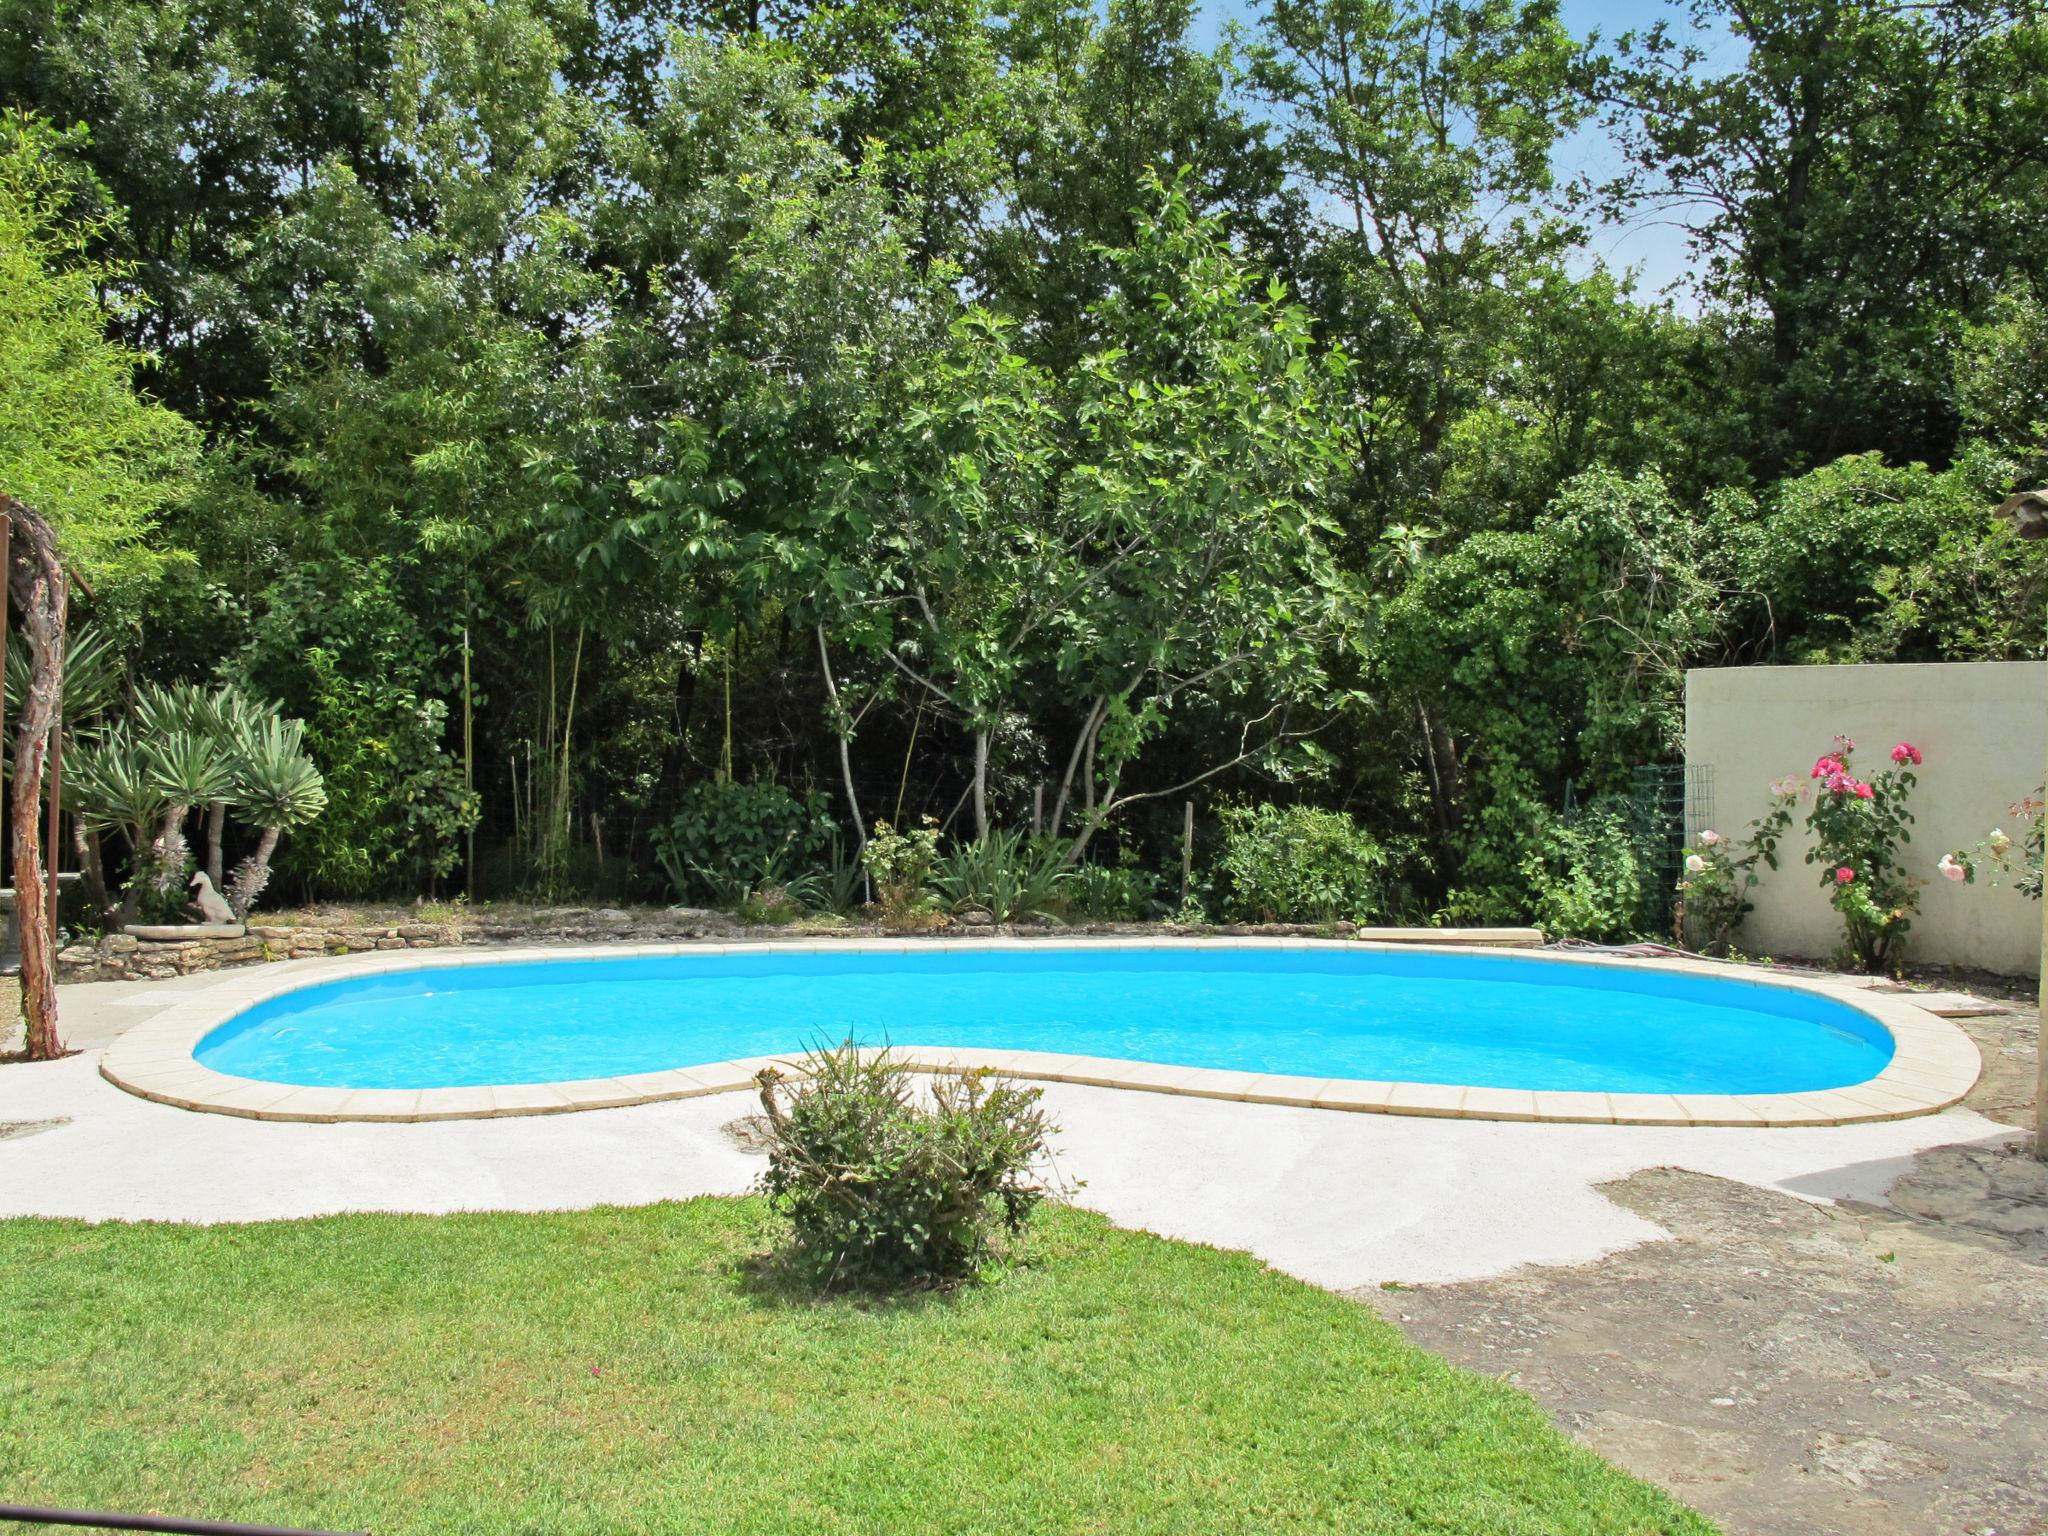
(1934, 1064)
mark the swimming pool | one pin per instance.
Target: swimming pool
(1476, 1020)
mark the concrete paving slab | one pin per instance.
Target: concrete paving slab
(1338, 1200)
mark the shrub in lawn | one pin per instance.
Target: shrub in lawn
(883, 1185)
(1298, 864)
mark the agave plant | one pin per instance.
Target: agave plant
(276, 787)
(1005, 874)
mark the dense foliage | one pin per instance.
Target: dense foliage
(591, 419)
(1299, 864)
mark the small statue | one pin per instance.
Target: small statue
(212, 909)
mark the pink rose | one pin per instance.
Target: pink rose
(1864, 791)
(1825, 768)
(1905, 752)
(1709, 838)
(1844, 875)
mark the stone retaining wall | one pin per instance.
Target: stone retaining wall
(125, 957)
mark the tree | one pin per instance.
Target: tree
(77, 442)
(1145, 544)
(84, 466)
(1423, 131)
(39, 589)
(1127, 94)
(1555, 657)
(1855, 188)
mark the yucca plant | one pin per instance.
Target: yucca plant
(92, 676)
(232, 718)
(276, 787)
(109, 786)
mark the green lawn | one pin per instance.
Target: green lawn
(628, 1371)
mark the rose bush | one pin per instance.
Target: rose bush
(1721, 872)
(1859, 829)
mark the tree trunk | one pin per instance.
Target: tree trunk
(37, 586)
(216, 827)
(843, 731)
(1096, 709)
(92, 871)
(980, 784)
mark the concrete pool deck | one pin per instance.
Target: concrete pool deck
(1934, 1064)
(1340, 1200)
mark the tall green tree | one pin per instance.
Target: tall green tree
(1856, 188)
(77, 440)
(1423, 132)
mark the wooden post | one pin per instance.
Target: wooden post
(53, 847)
(1037, 809)
(6, 565)
(1187, 852)
(39, 593)
(468, 771)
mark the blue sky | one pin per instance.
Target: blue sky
(1651, 245)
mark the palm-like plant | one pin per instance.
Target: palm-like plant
(92, 676)
(276, 787)
(231, 718)
(191, 767)
(189, 747)
(109, 785)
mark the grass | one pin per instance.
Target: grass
(633, 1371)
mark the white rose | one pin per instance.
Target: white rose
(1694, 864)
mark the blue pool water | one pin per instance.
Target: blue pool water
(1480, 1020)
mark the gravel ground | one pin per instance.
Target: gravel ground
(1788, 1367)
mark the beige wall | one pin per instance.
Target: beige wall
(1984, 729)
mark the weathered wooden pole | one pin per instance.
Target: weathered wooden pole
(36, 579)
(2028, 514)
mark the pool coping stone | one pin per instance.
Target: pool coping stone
(1934, 1064)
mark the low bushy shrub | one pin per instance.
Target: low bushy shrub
(1586, 877)
(728, 840)
(1298, 864)
(900, 864)
(881, 1187)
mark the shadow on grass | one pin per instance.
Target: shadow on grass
(785, 1278)
(782, 1280)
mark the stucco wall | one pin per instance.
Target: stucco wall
(1984, 729)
